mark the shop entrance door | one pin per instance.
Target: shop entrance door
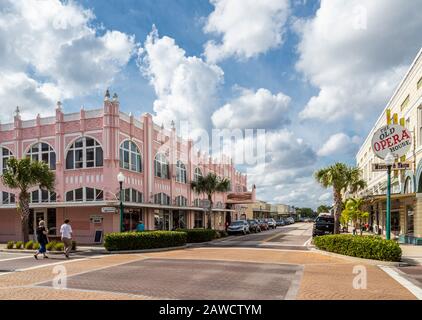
(49, 217)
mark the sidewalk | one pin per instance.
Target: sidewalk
(411, 254)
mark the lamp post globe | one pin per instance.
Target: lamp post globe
(121, 179)
(389, 161)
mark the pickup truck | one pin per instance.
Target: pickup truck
(323, 225)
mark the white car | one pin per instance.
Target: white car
(238, 226)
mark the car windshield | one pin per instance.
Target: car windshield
(325, 219)
(237, 223)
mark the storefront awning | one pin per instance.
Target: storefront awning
(383, 197)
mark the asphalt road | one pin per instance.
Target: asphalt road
(11, 262)
(295, 236)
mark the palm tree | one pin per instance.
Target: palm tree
(22, 175)
(341, 178)
(209, 185)
(353, 210)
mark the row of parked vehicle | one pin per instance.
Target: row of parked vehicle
(257, 225)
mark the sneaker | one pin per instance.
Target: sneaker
(45, 257)
(35, 256)
(67, 256)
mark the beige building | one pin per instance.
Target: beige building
(262, 209)
(405, 108)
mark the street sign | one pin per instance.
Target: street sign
(391, 138)
(396, 166)
(108, 210)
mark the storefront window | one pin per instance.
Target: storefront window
(179, 219)
(131, 218)
(51, 221)
(199, 220)
(410, 220)
(162, 220)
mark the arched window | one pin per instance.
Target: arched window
(8, 198)
(197, 203)
(180, 172)
(133, 195)
(197, 173)
(162, 198)
(130, 157)
(85, 152)
(85, 194)
(42, 196)
(408, 185)
(181, 201)
(4, 156)
(161, 166)
(43, 152)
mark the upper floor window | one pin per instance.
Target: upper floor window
(419, 84)
(405, 103)
(162, 198)
(5, 155)
(43, 152)
(84, 153)
(41, 196)
(85, 194)
(133, 195)
(197, 173)
(408, 186)
(181, 201)
(130, 157)
(161, 166)
(197, 202)
(181, 172)
(8, 198)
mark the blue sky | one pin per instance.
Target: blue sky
(314, 74)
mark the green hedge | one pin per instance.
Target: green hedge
(368, 247)
(144, 240)
(199, 235)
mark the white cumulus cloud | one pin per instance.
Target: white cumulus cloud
(186, 86)
(247, 27)
(339, 144)
(50, 50)
(260, 109)
(356, 52)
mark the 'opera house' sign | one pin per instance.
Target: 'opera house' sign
(391, 138)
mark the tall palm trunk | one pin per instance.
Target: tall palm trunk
(338, 204)
(24, 208)
(209, 212)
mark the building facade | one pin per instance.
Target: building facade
(87, 150)
(405, 108)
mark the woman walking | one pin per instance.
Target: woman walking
(42, 239)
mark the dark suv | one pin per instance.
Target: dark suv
(254, 225)
(323, 225)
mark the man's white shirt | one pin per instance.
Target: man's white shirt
(66, 231)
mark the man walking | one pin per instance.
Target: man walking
(66, 232)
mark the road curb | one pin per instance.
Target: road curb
(34, 250)
(361, 260)
(144, 251)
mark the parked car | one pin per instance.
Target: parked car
(271, 223)
(238, 226)
(324, 224)
(280, 222)
(263, 225)
(290, 220)
(254, 225)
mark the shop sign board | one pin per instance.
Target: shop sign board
(108, 210)
(396, 166)
(392, 138)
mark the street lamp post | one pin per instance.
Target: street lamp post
(389, 161)
(121, 179)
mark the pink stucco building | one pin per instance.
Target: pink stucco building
(87, 150)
